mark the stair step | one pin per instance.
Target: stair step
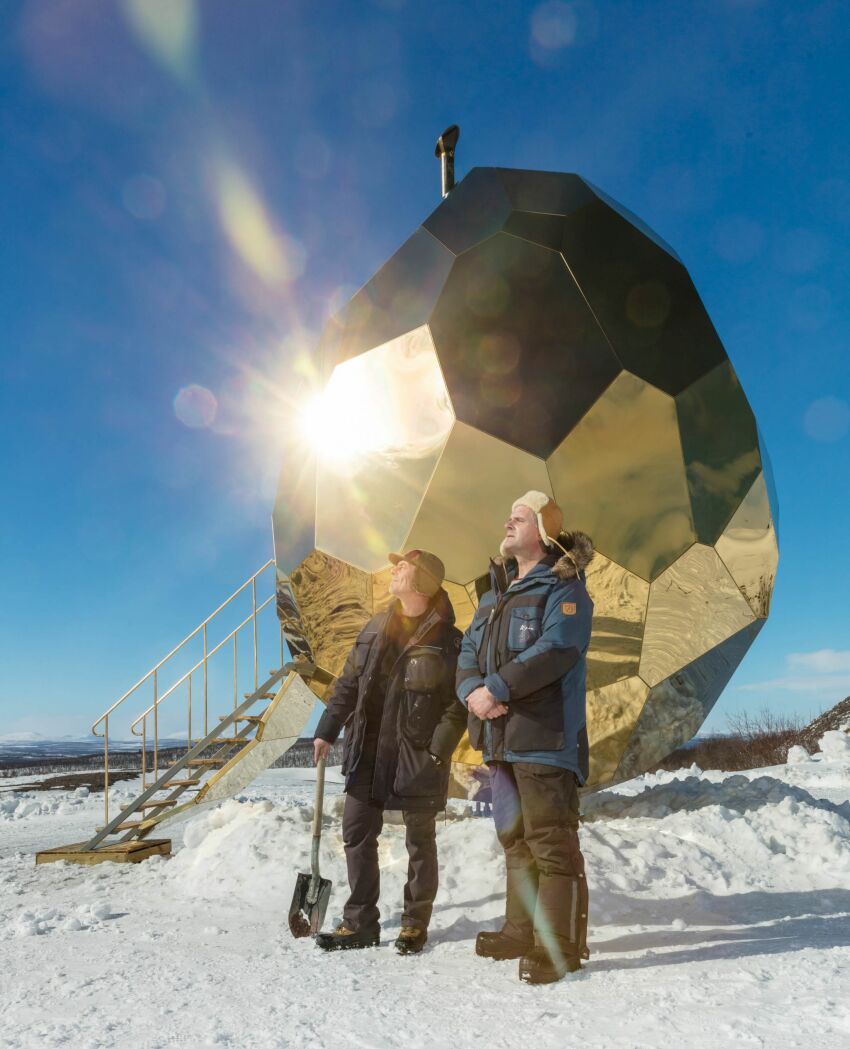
(262, 695)
(181, 783)
(256, 718)
(206, 761)
(156, 804)
(123, 826)
(222, 739)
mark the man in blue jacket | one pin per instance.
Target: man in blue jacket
(521, 674)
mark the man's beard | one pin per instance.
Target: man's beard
(504, 547)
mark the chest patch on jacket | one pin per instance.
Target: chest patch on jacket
(568, 608)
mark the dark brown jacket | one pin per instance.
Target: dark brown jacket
(422, 718)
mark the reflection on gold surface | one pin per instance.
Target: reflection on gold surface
(720, 447)
(469, 498)
(335, 601)
(611, 715)
(748, 548)
(379, 428)
(677, 706)
(619, 600)
(621, 474)
(693, 606)
(462, 604)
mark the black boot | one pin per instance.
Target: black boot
(411, 940)
(538, 966)
(501, 947)
(345, 939)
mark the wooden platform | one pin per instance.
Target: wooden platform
(127, 852)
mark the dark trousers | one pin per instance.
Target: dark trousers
(362, 822)
(535, 808)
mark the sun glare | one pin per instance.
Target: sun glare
(346, 421)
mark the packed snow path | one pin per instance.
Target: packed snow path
(720, 915)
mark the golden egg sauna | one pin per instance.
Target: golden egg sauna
(530, 334)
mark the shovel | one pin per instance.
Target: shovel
(312, 892)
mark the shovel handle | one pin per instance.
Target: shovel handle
(317, 819)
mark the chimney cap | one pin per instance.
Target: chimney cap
(447, 141)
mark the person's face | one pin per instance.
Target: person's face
(402, 577)
(522, 538)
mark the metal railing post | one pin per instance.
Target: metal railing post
(155, 727)
(144, 752)
(254, 617)
(189, 719)
(206, 682)
(235, 687)
(106, 769)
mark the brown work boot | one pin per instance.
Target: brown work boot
(345, 939)
(538, 966)
(411, 940)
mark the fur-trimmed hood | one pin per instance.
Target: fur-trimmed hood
(579, 552)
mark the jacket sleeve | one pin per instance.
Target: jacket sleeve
(342, 701)
(452, 724)
(469, 676)
(563, 640)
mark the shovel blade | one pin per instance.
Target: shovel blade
(307, 911)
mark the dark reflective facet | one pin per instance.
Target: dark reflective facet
(721, 448)
(545, 230)
(397, 299)
(644, 299)
(767, 467)
(522, 355)
(677, 706)
(545, 191)
(630, 216)
(475, 209)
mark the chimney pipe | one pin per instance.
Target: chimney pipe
(446, 152)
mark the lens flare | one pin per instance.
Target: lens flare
(195, 406)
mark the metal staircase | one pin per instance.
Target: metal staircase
(228, 755)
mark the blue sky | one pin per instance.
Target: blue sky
(142, 138)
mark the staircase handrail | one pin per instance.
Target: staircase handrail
(158, 701)
(251, 579)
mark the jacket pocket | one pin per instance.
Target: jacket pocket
(524, 628)
(417, 776)
(537, 722)
(421, 708)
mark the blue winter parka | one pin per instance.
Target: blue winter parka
(528, 644)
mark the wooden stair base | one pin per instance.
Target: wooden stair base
(124, 852)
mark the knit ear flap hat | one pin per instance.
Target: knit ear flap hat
(550, 517)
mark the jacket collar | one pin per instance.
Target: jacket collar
(553, 568)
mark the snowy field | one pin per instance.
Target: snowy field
(720, 916)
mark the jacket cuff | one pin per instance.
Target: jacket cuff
(328, 728)
(470, 684)
(497, 685)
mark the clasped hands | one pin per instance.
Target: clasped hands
(484, 704)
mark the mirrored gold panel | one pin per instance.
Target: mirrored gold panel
(462, 516)
(335, 602)
(399, 297)
(522, 354)
(383, 421)
(748, 548)
(475, 209)
(550, 192)
(621, 474)
(642, 297)
(693, 606)
(611, 716)
(677, 706)
(619, 611)
(720, 447)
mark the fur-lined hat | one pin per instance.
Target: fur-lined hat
(550, 517)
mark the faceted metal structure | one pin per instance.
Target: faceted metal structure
(533, 334)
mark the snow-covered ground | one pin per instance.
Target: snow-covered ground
(720, 916)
